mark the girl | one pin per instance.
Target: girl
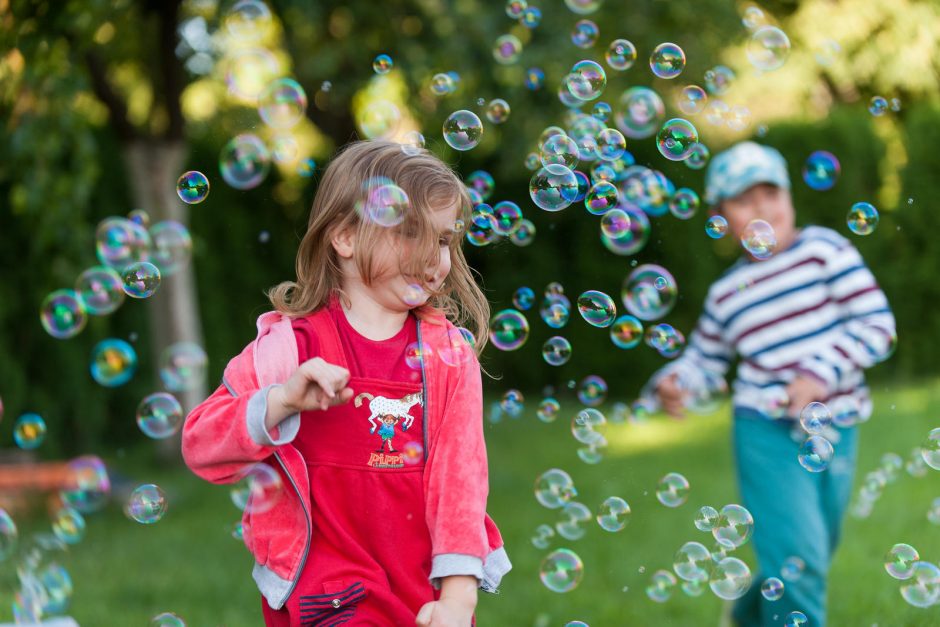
(362, 531)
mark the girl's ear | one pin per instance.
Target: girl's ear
(344, 241)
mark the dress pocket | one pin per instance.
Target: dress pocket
(336, 606)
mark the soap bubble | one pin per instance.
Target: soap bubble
(379, 119)
(548, 410)
(613, 514)
(575, 515)
(442, 84)
(601, 198)
(559, 150)
(768, 48)
(698, 156)
(497, 111)
(283, 104)
(384, 204)
(692, 99)
(512, 403)
(684, 203)
(734, 526)
(62, 314)
(68, 525)
(147, 504)
(815, 417)
(248, 19)
(167, 619)
(113, 362)
(159, 415)
(649, 292)
(597, 308)
(626, 332)
(665, 338)
(554, 488)
(620, 55)
(99, 290)
(759, 239)
(922, 589)
(382, 64)
(692, 561)
(29, 431)
(601, 111)
(667, 60)
(930, 449)
(821, 170)
(543, 534)
(862, 218)
(553, 187)
(878, 106)
(556, 351)
(534, 78)
(531, 17)
(719, 79)
(8, 535)
(483, 182)
(141, 279)
(706, 518)
(586, 80)
(676, 138)
(585, 425)
(815, 453)
(792, 568)
(610, 144)
(509, 330)
(716, 227)
(244, 162)
(523, 298)
(795, 618)
(661, 586)
(506, 49)
(561, 571)
(583, 7)
(463, 130)
(900, 561)
(87, 487)
(672, 490)
(640, 112)
(183, 366)
(258, 489)
(772, 589)
(192, 187)
(730, 579)
(172, 247)
(585, 34)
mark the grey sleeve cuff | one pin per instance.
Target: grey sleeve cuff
(495, 566)
(255, 414)
(448, 564)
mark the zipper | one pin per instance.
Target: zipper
(303, 559)
(424, 394)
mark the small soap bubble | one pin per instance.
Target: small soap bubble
(113, 362)
(667, 60)
(734, 527)
(192, 187)
(692, 561)
(719, 79)
(922, 588)
(506, 49)
(672, 490)
(585, 34)
(497, 111)
(159, 415)
(730, 579)
(692, 100)
(382, 64)
(649, 292)
(900, 561)
(29, 431)
(463, 130)
(62, 314)
(283, 104)
(561, 571)
(795, 618)
(509, 330)
(548, 410)
(815, 417)
(821, 170)
(146, 505)
(759, 239)
(613, 514)
(183, 366)
(586, 80)
(684, 203)
(662, 584)
(706, 518)
(597, 308)
(772, 589)
(556, 351)
(553, 187)
(554, 488)
(676, 139)
(523, 298)
(878, 106)
(792, 568)
(620, 55)
(244, 162)
(768, 48)
(862, 218)
(640, 112)
(531, 17)
(815, 453)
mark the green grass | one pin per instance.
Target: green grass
(124, 573)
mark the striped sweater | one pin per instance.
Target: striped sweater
(812, 310)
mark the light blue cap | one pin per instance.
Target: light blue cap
(742, 166)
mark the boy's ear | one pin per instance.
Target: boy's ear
(343, 241)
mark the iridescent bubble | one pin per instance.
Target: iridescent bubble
(676, 138)
(649, 292)
(716, 227)
(172, 247)
(543, 536)
(534, 77)
(615, 223)
(613, 514)
(554, 488)
(730, 579)
(506, 217)
(597, 308)
(922, 588)
(634, 232)
(574, 515)
(698, 156)
(672, 490)
(414, 295)
(738, 118)
(416, 353)
(140, 279)
(29, 431)
(718, 80)
(815, 417)
(113, 362)
(601, 198)
(933, 514)
(821, 170)
(514, 8)
(795, 618)
(692, 561)
(900, 561)
(555, 311)
(585, 34)
(497, 111)
(684, 203)
(192, 187)
(512, 403)
(815, 453)
(458, 348)
(379, 119)
(772, 589)
(583, 7)
(620, 55)
(587, 80)
(556, 351)
(531, 17)
(68, 525)
(706, 518)
(442, 84)
(553, 187)
(878, 106)
(768, 48)
(307, 167)
(561, 571)
(559, 150)
(611, 144)
(509, 330)
(641, 112)
(692, 100)
(734, 526)
(284, 149)
(62, 314)
(147, 504)
(9, 536)
(385, 205)
(283, 104)
(382, 64)
(167, 619)
(930, 449)
(626, 332)
(759, 239)
(506, 49)
(792, 568)
(258, 489)
(244, 161)
(87, 486)
(248, 19)
(592, 391)
(119, 241)
(665, 338)
(716, 112)
(662, 584)
(548, 410)
(523, 298)
(183, 366)
(248, 71)
(862, 218)
(601, 111)
(667, 60)
(463, 130)
(483, 182)
(159, 415)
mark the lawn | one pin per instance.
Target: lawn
(124, 573)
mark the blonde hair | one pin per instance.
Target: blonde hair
(430, 185)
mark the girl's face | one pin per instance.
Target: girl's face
(398, 292)
(762, 202)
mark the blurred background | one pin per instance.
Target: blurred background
(106, 104)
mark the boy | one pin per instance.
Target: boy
(803, 323)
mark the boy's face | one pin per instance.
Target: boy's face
(762, 202)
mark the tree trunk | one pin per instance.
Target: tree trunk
(153, 167)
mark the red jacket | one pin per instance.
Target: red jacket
(225, 434)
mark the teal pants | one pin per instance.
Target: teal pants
(796, 513)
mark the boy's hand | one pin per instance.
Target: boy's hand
(671, 396)
(315, 384)
(803, 391)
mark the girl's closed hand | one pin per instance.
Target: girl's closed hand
(447, 612)
(315, 384)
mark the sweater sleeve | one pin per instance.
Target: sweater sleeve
(457, 482)
(866, 332)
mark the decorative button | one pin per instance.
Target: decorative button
(336, 603)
